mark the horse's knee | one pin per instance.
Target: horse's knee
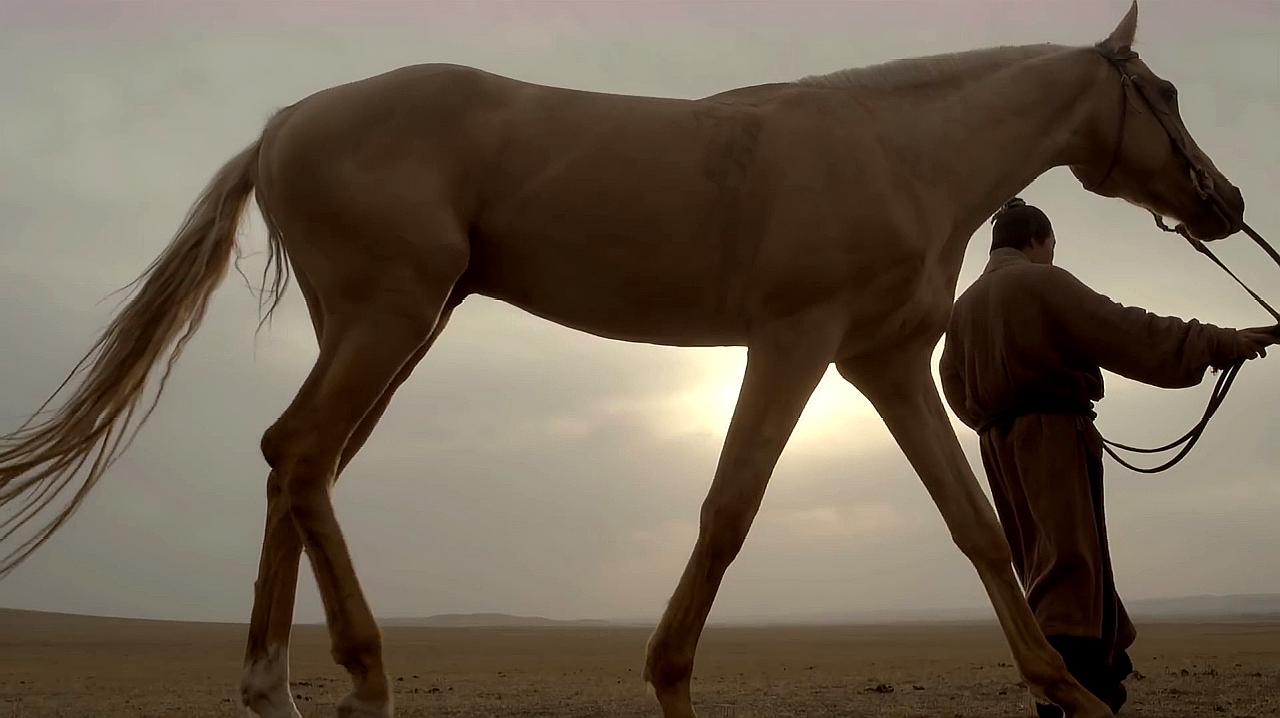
(723, 530)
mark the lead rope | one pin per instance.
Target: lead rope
(1187, 440)
(1225, 379)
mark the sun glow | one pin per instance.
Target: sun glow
(837, 417)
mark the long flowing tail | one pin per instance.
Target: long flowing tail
(74, 445)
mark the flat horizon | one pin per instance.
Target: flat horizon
(1267, 609)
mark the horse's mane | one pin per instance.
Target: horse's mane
(926, 70)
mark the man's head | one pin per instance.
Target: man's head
(1020, 226)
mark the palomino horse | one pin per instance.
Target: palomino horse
(815, 222)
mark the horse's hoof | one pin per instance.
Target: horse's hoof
(675, 702)
(275, 706)
(272, 709)
(1092, 708)
(264, 687)
(259, 711)
(355, 707)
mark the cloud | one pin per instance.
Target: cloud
(525, 467)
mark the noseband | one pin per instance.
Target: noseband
(1202, 179)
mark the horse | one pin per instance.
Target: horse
(815, 222)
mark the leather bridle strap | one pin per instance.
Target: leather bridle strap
(1266, 247)
(1125, 79)
(1199, 177)
(1203, 248)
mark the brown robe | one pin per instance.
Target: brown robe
(1021, 364)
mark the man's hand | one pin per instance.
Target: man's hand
(1252, 343)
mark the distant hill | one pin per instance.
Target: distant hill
(487, 620)
(1260, 607)
(62, 628)
(1247, 607)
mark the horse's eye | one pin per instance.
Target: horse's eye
(1170, 92)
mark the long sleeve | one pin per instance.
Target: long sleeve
(1162, 351)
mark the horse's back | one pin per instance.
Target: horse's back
(607, 213)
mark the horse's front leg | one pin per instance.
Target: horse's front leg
(784, 365)
(902, 390)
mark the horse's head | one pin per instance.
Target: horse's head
(1142, 152)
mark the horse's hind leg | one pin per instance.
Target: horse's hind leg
(264, 685)
(264, 682)
(349, 379)
(369, 341)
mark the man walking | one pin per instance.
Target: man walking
(1021, 365)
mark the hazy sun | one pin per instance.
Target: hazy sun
(836, 418)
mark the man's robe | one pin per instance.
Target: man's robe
(1021, 364)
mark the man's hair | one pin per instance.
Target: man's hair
(1018, 225)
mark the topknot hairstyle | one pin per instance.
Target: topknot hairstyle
(1018, 225)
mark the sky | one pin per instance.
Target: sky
(526, 468)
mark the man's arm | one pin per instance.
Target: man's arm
(1130, 341)
(953, 382)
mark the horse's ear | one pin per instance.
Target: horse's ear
(1121, 40)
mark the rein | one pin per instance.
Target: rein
(1201, 178)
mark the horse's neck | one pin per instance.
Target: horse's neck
(987, 139)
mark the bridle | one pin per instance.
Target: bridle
(1202, 179)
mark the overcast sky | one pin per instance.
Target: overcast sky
(526, 468)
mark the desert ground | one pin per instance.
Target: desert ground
(57, 665)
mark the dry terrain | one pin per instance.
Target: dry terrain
(54, 665)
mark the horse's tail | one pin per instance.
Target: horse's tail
(78, 441)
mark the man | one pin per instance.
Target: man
(1021, 365)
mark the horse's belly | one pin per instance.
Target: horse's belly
(641, 294)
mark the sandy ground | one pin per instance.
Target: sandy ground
(76, 666)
